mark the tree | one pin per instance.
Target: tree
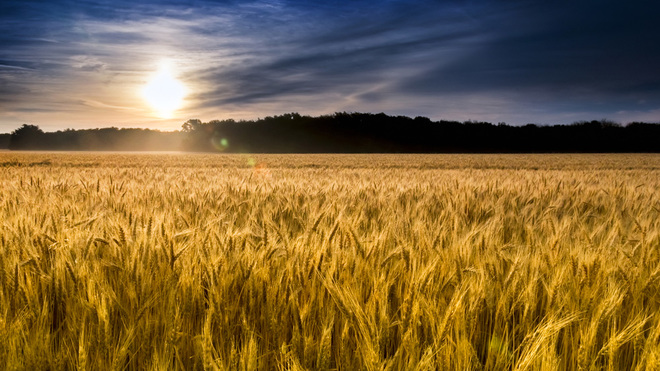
(191, 125)
(26, 137)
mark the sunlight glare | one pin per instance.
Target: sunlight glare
(164, 92)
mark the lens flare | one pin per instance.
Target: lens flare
(220, 143)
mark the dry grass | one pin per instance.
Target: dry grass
(171, 261)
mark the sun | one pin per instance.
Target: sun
(164, 92)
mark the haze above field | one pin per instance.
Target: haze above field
(158, 63)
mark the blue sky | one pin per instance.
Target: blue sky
(80, 64)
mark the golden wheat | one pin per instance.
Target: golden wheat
(352, 262)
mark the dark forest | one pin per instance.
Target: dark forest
(349, 133)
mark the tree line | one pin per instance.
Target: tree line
(352, 133)
(31, 137)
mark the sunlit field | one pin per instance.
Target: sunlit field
(350, 262)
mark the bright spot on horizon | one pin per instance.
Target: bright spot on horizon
(164, 92)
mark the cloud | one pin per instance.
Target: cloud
(87, 63)
(10, 67)
(97, 104)
(339, 57)
(451, 59)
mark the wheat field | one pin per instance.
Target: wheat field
(319, 262)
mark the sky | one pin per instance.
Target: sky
(88, 63)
